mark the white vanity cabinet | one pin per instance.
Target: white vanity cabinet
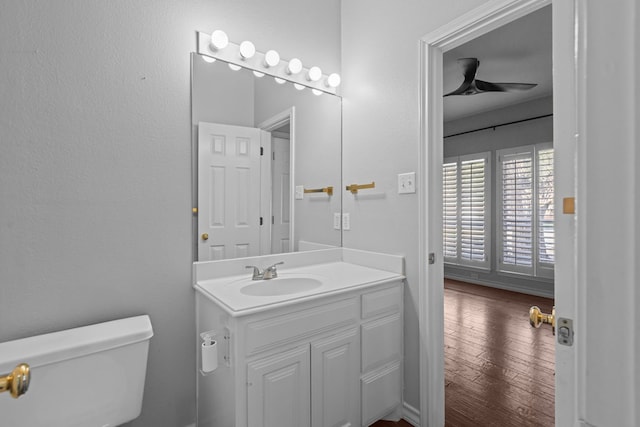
(331, 361)
(278, 391)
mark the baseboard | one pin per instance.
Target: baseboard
(410, 414)
(499, 286)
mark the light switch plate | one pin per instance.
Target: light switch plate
(337, 221)
(407, 183)
(346, 222)
(299, 192)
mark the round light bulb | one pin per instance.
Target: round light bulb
(219, 40)
(271, 58)
(235, 67)
(314, 74)
(316, 92)
(279, 80)
(333, 80)
(294, 67)
(258, 74)
(208, 59)
(247, 49)
(298, 86)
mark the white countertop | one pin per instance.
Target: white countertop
(337, 277)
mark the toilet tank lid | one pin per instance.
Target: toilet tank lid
(54, 347)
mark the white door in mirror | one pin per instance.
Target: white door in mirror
(228, 191)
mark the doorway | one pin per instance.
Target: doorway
(278, 169)
(468, 27)
(498, 244)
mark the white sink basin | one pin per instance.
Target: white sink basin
(280, 286)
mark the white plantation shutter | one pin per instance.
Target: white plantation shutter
(473, 203)
(525, 210)
(517, 211)
(465, 210)
(450, 210)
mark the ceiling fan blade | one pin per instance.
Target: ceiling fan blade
(469, 69)
(503, 87)
(461, 90)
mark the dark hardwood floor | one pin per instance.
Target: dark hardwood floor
(499, 371)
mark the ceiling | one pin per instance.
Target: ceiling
(519, 52)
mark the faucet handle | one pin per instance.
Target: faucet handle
(256, 272)
(273, 267)
(271, 272)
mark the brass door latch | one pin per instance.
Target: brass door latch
(537, 318)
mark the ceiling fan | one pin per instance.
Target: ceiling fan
(472, 86)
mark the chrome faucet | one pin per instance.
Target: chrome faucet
(268, 273)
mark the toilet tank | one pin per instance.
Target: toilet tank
(82, 377)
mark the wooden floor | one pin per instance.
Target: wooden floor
(498, 370)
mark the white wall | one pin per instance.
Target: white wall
(95, 187)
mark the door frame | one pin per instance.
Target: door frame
(569, 125)
(269, 125)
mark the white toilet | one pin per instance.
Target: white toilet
(83, 377)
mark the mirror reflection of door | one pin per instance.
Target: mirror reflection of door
(281, 193)
(229, 191)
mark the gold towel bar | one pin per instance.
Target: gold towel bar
(17, 382)
(355, 187)
(328, 190)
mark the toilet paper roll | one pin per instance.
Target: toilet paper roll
(209, 356)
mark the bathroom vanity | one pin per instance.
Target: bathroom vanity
(320, 345)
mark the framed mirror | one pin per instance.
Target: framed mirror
(267, 164)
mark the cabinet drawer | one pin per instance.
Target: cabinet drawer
(276, 331)
(381, 341)
(383, 301)
(381, 393)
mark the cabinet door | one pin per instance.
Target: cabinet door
(335, 376)
(278, 390)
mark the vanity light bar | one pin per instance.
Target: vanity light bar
(259, 62)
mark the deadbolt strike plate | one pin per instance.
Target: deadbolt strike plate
(569, 205)
(564, 331)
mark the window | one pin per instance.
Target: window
(526, 239)
(466, 210)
